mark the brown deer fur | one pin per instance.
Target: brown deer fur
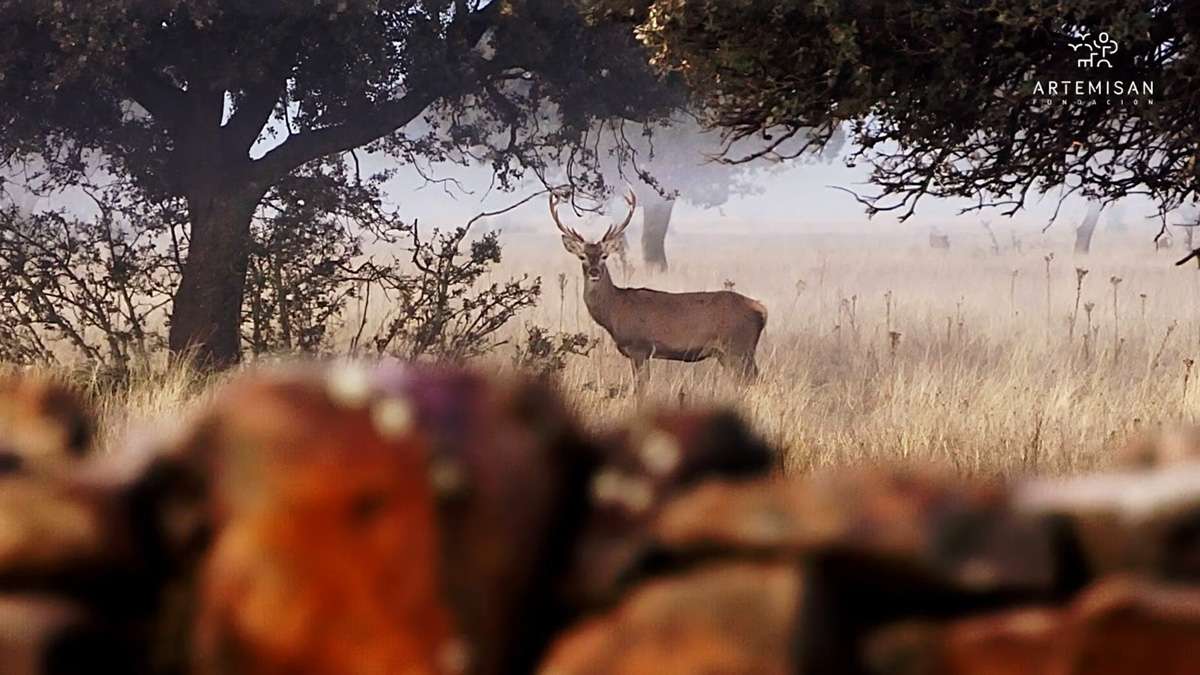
(649, 324)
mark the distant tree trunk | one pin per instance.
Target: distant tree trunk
(1083, 233)
(656, 216)
(206, 315)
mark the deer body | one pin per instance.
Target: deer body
(649, 324)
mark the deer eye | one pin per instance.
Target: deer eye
(604, 256)
(583, 257)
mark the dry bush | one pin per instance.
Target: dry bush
(94, 290)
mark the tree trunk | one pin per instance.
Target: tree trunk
(656, 216)
(1083, 233)
(207, 310)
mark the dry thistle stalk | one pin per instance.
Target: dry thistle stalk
(1089, 336)
(1163, 346)
(1116, 283)
(1080, 273)
(562, 297)
(1048, 258)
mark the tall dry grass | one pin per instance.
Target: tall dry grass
(878, 347)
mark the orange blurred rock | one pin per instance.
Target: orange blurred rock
(734, 618)
(1121, 625)
(44, 424)
(1015, 641)
(510, 471)
(1125, 625)
(387, 518)
(326, 554)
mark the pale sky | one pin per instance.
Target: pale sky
(793, 199)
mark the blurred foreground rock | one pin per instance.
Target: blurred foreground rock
(387, 518)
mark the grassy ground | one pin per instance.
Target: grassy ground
(879, 348)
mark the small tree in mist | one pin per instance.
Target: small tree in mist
(98, 287)
(440, 310)
(673, 159)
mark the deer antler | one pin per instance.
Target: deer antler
(615, 231)
(561, 228)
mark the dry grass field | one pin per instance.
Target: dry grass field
(879, 348)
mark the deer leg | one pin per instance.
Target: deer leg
(641, 372)
(741, 366)
(749, 369)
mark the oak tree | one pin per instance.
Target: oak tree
(211, 104)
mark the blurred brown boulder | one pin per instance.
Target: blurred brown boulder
(42, 635)
(1169, 446)
(738, 618)
(1133, 520)
(325, 557)
(45, 425)
(658, 456)
(387, 518)
(923, 528)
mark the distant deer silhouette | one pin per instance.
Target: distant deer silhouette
(649, 324)
(938, 240)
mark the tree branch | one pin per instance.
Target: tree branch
(370, 124)
(163, 100)
(251, 115)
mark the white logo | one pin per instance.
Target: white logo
(1098, 51)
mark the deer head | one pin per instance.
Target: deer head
(593, 255)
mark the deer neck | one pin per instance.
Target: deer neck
(598, 295)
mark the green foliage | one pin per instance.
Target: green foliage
(167, 89)
(938, 95)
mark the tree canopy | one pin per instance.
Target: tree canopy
(943, 99)
(210, 104)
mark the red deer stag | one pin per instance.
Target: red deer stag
(650, 324)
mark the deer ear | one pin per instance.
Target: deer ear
(574, 246)
(611, 246)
